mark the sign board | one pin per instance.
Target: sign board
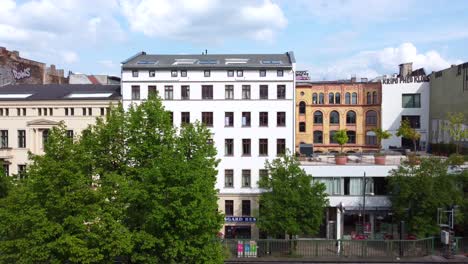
(302, 75)
(241, 219)
(247, 249)
(444, 237)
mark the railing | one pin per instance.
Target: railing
(352, 159)
(311, 248)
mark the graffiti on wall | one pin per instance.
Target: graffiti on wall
(21, 74)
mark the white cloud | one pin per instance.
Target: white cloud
(378, 62)
(69, 56)
(205, 20)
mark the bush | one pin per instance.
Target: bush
(456, 159)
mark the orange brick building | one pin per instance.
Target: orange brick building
(325, 107)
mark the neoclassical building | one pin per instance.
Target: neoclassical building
(322, 108)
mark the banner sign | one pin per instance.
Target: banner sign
(241, 219)
(247, 249)
(302, 75)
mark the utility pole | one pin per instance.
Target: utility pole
(364, 203)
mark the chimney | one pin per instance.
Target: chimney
(406, 69)
(353, 78)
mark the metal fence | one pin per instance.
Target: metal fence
(308, 248)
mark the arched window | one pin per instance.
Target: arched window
(351, 137)
(331, 98)
(334, 117)
(314, 98)
(337, 98)
(318, 117)
(302, 127)
(371, 138)
(302, 107)
(318, 137)
(347, 98)
(354, 98)
(369, 98)
(371, 118)
(374, 98)
(332, 137)
(351, 117)
(321, 98)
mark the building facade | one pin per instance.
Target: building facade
(449, 94)
(322, 108)
(17, 70)
(246, 100)
(28, 112)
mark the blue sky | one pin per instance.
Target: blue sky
(332, 39)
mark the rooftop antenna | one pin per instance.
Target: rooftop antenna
(206, 52)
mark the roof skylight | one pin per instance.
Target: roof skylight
(271, 62)
(89, 95)
(146, 62)
(207, 62)
(184, 61)
(236, 61)
(14, 96)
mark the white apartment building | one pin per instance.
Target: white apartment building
(29, 111)
(405, 98)
(247, 100)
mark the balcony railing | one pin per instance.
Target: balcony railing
(352, 159)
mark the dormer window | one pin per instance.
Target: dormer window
(174, 73)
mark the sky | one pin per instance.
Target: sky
(332, 39)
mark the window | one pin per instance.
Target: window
(246, 147)
(207, 119)
(246, 208)
(183, 73)
(263, 122)
(332, 185)
(411, 100)
(318, 137)
(262, 73)
(314, 98)
(279, 73)
(103, 111)
(169, 92)
(21, 138)
(152, 73)
(229, 207)
(135, 73)
(245, 91)
(302, 108)
(351, 118)
(246, 178)
(245, 119)
(70, 133)
(173, 73)
(185, 92)
(263, 147)
(207, 92)
(332, 137)
(229, 92)
(184, 118)
(3, 138)
(331, 98)
(318, 117)
(337, 98)
(5, 112)
(347, 98)
(371, 118)
(414, 120)
(69, 111)
(321, 98)
(6, 169)
(374, 98)
(87, 111)
(281, 119)
(351, 137)
(21, 111)
(229, 119)
(263, 91)
(22, 171)
(354, 98)
(262, 173)
(281, 92)
(302, 127)
(230, 73)
(280, 146)
(369, 98)
(228, 178)
(45, 136)
(334, 117)
(207, 73)
(228, 147)
(354, 186)
(371, 138)
(240, 73)
(152, 91)
(135, 92)
(171, 117)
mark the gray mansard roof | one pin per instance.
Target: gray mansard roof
(29, 92)
(210, 61)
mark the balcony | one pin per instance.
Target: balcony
(6, 153)
(354, 159)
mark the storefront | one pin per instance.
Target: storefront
(239, 227)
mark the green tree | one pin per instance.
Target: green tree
(417, 191)
(406, 131)
(381, 134)
(455, 128)
(5, 182)
(292, 203)
(341, 137)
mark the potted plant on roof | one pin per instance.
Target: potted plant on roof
(342, 138)
(406, 131)
(379, 157)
